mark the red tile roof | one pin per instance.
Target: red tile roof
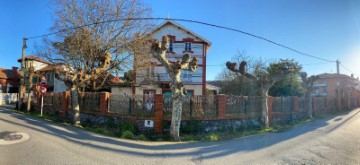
(7, 74)
(31, 57)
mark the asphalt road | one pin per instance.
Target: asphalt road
(334, 140)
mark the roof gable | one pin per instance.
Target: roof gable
(178, 26)
(34, 58)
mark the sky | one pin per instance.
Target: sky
(328, 29)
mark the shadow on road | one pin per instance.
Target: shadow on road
(207, 150)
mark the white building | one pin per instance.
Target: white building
(182, 41)
(46, 69)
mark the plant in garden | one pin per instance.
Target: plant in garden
(127, 135)
(264, 78)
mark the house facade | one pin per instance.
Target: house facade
(45, 69)
(328, 83)
(9, 80)
(182, 41)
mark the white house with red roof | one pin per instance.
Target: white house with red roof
(46, 69)
(182, 41)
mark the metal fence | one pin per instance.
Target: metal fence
(194, 106)
(126, 104)
(89, 101)
(243, 106)
(8, 98)
(52, 102)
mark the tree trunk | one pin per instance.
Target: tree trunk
(75, 106)
(176, 116)
(29, 102)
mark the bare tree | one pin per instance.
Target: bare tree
(265, 78)
(158, 50)
(93, 38)
(233, 83)
(308, 83)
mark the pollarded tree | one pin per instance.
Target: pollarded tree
(232, 83)
(308, 83)
(93, 38)
(265, 78)
(158, 51)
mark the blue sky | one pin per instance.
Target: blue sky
(327, 29)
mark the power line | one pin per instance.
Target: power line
(192, 21)
(319, 63)
(345, 68)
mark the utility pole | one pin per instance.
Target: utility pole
(22, 69)
(338, 84)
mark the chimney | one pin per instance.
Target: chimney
(14, 68)
(352, 75)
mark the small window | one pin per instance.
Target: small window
(187, 46)
(171, 45)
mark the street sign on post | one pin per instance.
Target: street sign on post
(43, 90)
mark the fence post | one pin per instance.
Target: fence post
(65, 104)
(221, 106)
(296, 104)
(159, 113)
(270, 112)
(313, 104)
(104, 98)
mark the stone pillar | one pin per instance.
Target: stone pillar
(270, 112)
(159, 113)
(65, 104)
(104, 98)
(221, 106)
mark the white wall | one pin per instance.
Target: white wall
(59, 86)
(121, 90)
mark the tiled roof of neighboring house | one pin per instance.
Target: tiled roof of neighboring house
(330, 75)
(7, 74)
(180, 27)
(116, 80)
(31, 57)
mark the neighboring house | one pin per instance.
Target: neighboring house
(46, 69)
(212, 89)
(327, 84)
(53, 84)
(182, 41)
(9, 80)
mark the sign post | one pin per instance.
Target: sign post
(43, 91)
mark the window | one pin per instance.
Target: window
(171, 45)
(188, 46)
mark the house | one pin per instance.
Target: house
(327, 84)
(46, 69)
(9, 80)
(182, 41)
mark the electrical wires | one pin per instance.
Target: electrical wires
(191, 21)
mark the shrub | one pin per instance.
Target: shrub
(187, 138)
(214, 137)
(127, 135)
(142, 137)
(126, 126)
